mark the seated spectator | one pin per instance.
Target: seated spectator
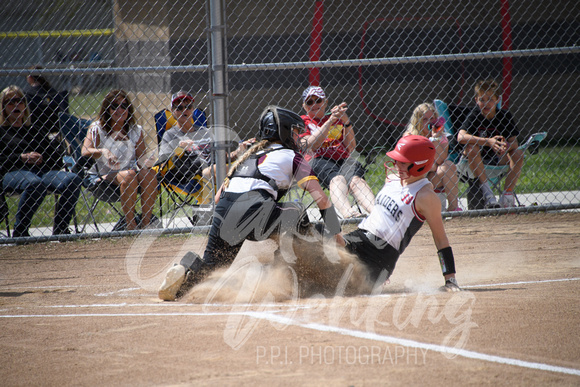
(328, 144)
(44, 102)
(30, 166)
(116, 142)
(443, 174)
(489, 136)
(195, 140)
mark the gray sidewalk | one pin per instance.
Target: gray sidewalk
(532, 199)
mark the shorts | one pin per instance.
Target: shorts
(327, 169)
(376, 254)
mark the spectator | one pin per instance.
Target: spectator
(195, 140)
(31, 168)
(44, 102)
(489, 136)
(443, 174)
(328, 143)
(247, 204)
(403, 205)
(116, 142)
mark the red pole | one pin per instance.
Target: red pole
(507, 64)
(316, 42)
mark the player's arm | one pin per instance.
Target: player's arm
(329, 215)
(309, 182)
(428, 204)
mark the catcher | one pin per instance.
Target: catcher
(247, 204)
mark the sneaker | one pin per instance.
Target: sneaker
(507, 199)
(174, 278)
(17, 233)
(64, 231)
(488, 197)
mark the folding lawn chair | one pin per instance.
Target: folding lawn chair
(192, 196)
(74, 130)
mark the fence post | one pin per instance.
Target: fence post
(218, 86)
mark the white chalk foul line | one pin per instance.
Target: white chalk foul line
(520, 283)
(416, 344)
(333, 329)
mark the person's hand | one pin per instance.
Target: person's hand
(33, 158)
(187, 145)
(112, 160)
(498, 144)
(245, 145)
(337, 112)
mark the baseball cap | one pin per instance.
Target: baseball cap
(175, 98)
(313, 90)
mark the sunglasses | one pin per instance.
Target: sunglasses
(183, 107)
(311, 102)
(13, 101)
(115, 106)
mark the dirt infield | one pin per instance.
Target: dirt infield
(86, 313)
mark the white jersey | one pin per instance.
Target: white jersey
(123, 150)
(282, 165)
(394, 217)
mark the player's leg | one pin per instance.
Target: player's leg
(377, 255)
(236, 218)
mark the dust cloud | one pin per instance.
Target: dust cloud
(302, 268)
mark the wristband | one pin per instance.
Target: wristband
(331, 220)
(347, 125)
(446, 260)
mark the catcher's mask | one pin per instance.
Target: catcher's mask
(277, 123)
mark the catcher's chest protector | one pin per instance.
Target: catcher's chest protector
(249, 169)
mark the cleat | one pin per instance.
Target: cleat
(174, 278)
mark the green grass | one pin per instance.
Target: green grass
(86, 105)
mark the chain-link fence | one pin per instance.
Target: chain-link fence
(383, 59)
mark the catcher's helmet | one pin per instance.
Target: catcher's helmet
(277, 123)
(417, 150)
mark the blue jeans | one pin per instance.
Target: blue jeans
(33, 186)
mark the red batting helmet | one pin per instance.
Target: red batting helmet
(417, 150)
